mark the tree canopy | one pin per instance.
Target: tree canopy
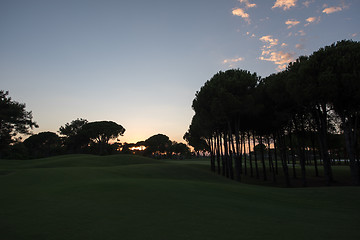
(101, 132)
(43, 144)
(315, 95)
(14, 120)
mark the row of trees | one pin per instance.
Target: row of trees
(315, 98)
(78, 136)
(158, 146)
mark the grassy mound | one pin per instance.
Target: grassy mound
(130, 197)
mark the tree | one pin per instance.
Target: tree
(14, 120)
(73, 128)
(338, 72)
(101, 133)
(43, 144)
(179, 149)
(157, 144)
(75, 139)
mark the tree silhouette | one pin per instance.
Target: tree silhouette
(101, 133)
(317, 95)
(43, 144)
(14, 120)
(157, 145)
(75, 139)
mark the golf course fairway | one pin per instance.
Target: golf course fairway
(132, 197)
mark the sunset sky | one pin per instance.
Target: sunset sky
(139, 62)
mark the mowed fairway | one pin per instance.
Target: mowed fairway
(131, 197)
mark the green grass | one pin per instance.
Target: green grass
(131, 197)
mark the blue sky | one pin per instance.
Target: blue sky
(139, 63)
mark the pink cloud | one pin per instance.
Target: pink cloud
(291, 23)
(233, 60)
(280, 58)
(330, 10)
(270, 40)
(310, 20)
(285, 4)
(307, 3)
(241, 13)
(247, 3)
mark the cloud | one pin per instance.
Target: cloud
(271, 41)
(241, 13)
(307, 3)
(250, 34)
(310, 20)
(247, 3)
(285, 4)
(301, 33)
(280, 58)
(330, 10)
(268, 53)
(233, 60)
(299, 46)
(291, 23)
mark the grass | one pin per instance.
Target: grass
(131, 197)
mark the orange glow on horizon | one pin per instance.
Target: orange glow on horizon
(138, 148)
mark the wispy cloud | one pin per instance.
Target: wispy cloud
(333, 9)
(308, 2)
(233, 60)
(330, 10)
(247, 3)
(269, 40)
(301, 33)
(269, 53)
(291, 23)
(299, 46)
(241, 13)
(310, 20)
(280, 58)
(285, 4)
(250, 34)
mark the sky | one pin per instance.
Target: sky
(139, 63)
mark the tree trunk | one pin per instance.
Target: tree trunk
(314, 154)
(212, 157)
(255, 158)
(245, 163)
(350, 142)
(275, 155)
(263, 159)
(250, 158)
(230, 159)
(218, 157)
(322, 126)
(237, 159)
(270, 160)
(301, 149)
(232, 151)
(283, 154)
(292, 154)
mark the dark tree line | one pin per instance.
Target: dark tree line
(79, 136)
(14, 120)
(288, 118)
